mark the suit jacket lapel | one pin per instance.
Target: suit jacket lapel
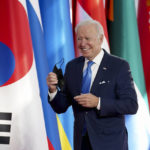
(101, 71)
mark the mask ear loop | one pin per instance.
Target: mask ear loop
(61, 61)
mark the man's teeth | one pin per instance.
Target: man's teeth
(84, 49)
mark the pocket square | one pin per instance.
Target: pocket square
(103, 82)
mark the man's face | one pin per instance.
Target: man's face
(88, 41)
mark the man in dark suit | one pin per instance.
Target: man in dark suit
(99, 113)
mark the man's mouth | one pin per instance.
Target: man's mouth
(84, 49)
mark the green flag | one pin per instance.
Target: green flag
(124, 42)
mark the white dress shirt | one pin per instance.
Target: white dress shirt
(94, 68)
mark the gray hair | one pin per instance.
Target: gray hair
(90, 21)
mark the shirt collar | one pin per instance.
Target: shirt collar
(97, 60)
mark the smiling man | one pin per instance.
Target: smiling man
(100, 89)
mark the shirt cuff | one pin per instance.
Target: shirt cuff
(52, 95)
(99, 104)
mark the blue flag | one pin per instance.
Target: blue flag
(59, 46)
(43, 70)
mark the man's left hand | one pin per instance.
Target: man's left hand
(87, 100)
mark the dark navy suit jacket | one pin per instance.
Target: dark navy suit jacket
(114, 85)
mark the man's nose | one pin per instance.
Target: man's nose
(83, 42)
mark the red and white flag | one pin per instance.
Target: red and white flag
(21, 117)
(144, 32)
(90, 9)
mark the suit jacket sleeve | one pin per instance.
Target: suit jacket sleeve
(62, 100)
(125, 101)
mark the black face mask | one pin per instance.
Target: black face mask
(60, 76)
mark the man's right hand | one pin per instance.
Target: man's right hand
(52, 82)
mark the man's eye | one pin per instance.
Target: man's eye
(87, 38)
(79, 39)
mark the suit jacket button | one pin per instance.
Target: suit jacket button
(86, 112)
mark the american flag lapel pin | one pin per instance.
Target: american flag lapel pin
(104, 68)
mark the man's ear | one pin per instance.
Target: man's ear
(101, 38)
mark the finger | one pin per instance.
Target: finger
(76, 97)
(51, 77)
(52, 83)
(51, 74)
(81, 103)
(52, 80)
(80, 96)
(84, 104)
(79, 99)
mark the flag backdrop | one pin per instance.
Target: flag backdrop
(59, 45)
(124, 42)
(87, 9)
(42, 70)
(21, 117)
(144, 32)
(29, 51)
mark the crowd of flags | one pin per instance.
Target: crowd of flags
(37, 34)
